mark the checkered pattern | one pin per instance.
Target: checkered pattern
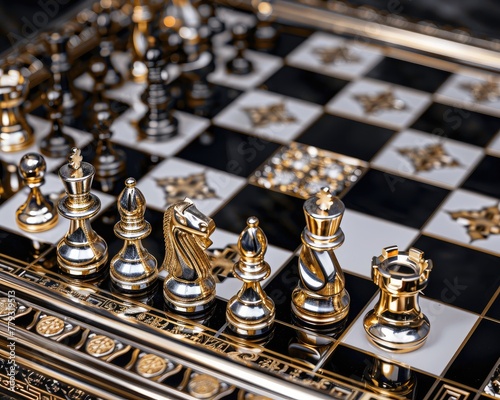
(392, 203)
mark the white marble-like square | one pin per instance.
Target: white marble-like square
(494, 146)
(449, 328)
(125, 132)
(275, 256)
(41, 129)
(362, 57)
(234, 117)
(264, 66)
(223, 184)
(53, 185)
(450, 176)
(365, 237)
(443, 225)
(345, 103)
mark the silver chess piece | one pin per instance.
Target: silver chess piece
(133, 270)
(37, 213)
(81, 253)
(251, 312)
(320, 298)
(397, 323)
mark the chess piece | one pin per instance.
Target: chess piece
(60, 67)
(265, 34)
(158, 124)
(141, 17)
(209, 17)
(320, 298)
(390, 379)
(10, 182)
(98, 70)
(239, 65)
(251, 312)
(56, 144)
(104, 24)
(15, 132)
(396, 323)
(37, 213)
(189, 287)
(81, 253)
(133, 270)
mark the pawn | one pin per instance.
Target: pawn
(104, 24)
(37, 213)
(158, 124)
(265, 35)
(56, 143)
(251, 312)
(239, 65)
(133, 270)
(98, 70)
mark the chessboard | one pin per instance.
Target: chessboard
(410, 146)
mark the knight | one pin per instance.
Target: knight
(189, 286)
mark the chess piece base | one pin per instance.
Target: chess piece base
(189, 297)
(56, 146)
(17, 139)
(159, 130)
(239, 66)
(37, 214)
(247, 318)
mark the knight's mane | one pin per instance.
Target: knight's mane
(169, 248)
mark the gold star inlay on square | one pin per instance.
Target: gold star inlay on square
(480, 223)
(222, 261)
(335, 55)
(384, 101)
(194, 186)
(483, 91)
(428, 158)
(271, 114)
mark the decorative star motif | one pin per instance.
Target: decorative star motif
(271, 114)
(222, 261)
(75, 162)
(428, 158)
(480, 223)
(383, 101)
(334, 55)
(194, 186)
(324, 201)
(483, 91)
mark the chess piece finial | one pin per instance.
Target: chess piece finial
(397, 323)
(189, 286)
(251, 312)
(15, 132)
(133, 270)
(37, 213)
(81, 253)
(239, 64)
(320, 298)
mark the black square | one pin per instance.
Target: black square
(457, 123)
(20, 247)
(394, 198)
(236, 153)
(486, 177)
(461, 276)
(494, 311)
(346, 136)
(280, 215)
(305, 85)
(286, 41)
(408, 74)
(474, 363)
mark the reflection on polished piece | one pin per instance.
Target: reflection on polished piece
(133, 270)
(194, 186)
(82, 253)
(320, 298)
(430, 157)
(189, 286)
(388, 378)
(397, 323)
(480, 223)
(484, 91)
(251, 312)
(335, 55)
(384, 101)
(38, 213)
(271, 114)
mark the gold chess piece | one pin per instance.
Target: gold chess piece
(390, 379)
(37, 213)
(133, 270)
(142, 17)
(320, 298)
(251, 312)
(15, 132)
(82, 253)
(397, 323)
(189, 286)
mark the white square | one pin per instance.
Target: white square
(224, 185)
(345, 104)
(444, 226)
(275, 257)
(449, 328)
(305, 56)
(53, 185)
(392, 160)
(234, 117)
(365, 237)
